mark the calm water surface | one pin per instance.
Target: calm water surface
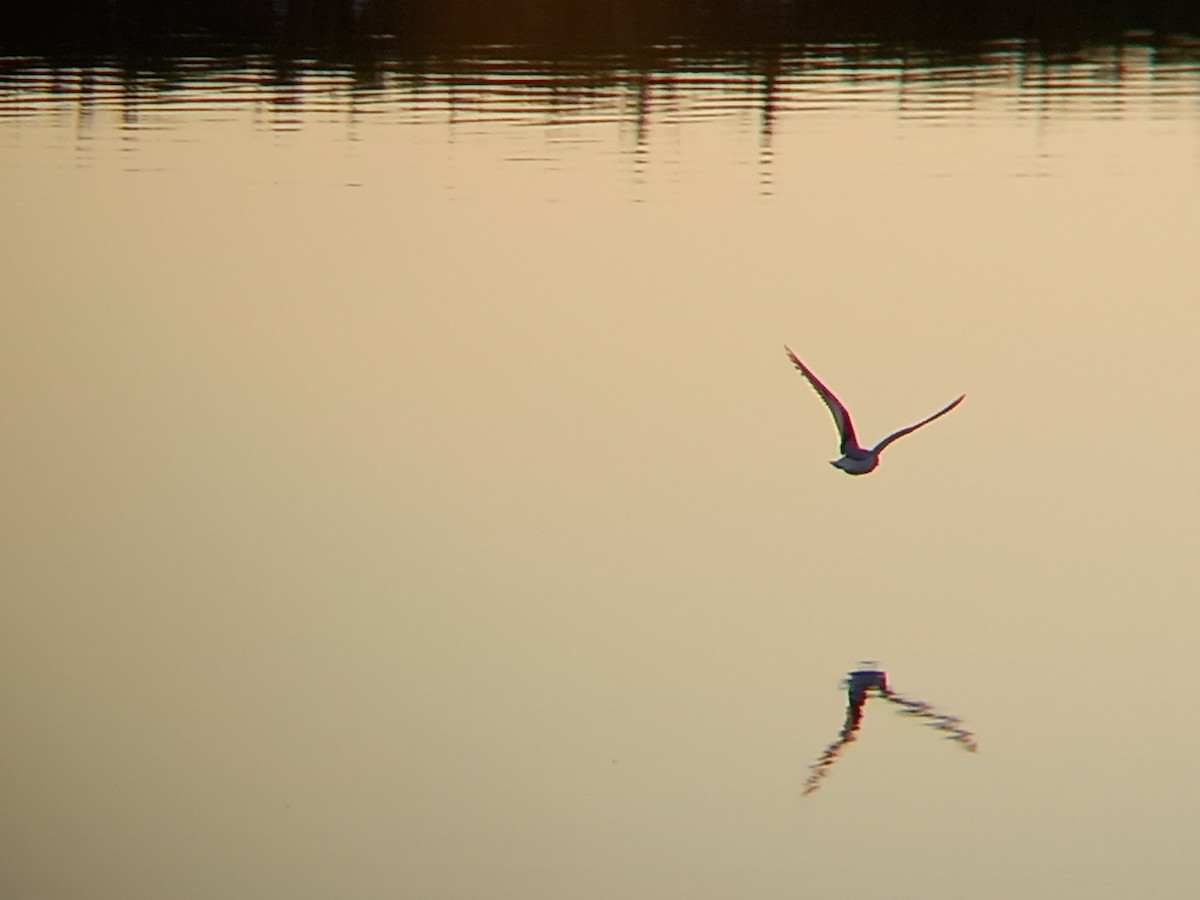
(407, 494)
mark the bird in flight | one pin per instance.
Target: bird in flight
(856, 460)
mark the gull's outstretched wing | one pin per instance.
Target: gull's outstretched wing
(911, 428)
(841, 416)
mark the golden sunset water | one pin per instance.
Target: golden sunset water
(407, 493)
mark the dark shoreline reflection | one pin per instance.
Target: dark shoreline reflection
(643, 77)
(348, 30)
(508, 81)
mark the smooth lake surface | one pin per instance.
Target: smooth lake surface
(407, 494)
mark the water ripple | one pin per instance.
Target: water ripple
(503, 86)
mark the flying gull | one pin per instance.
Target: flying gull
(856, 460)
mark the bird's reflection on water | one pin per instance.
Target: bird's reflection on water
(871, 682)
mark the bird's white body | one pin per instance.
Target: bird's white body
(856, 460)
(857, 465)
